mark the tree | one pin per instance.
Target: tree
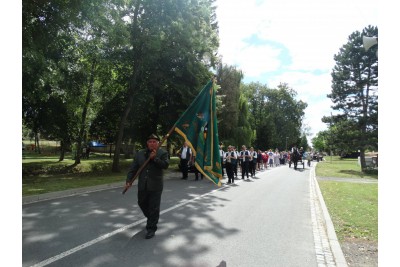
(355, 94)
(243, 132)
(320, 141)
(274, 115)
(303, 142)
(45, 35)
(65, 50)
(168, 40)
(229, 78)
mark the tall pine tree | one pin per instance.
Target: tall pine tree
(355, 95)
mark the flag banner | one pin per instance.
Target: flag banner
(198, 126)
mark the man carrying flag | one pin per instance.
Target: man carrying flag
(150, 184)
(198, 126)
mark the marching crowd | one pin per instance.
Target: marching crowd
(248, 161)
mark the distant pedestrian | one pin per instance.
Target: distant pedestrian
(222, 157)
(252, 162)
(185, 155)
(230, 156)
(235, 161)
(245, 159)
(271, 158)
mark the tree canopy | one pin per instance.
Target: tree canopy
(117, 70)
(355, 96)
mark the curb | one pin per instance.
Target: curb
(70, 192)
(336, 249)
(84, 190)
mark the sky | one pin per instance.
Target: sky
(293, 42)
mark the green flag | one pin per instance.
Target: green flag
(198, 126)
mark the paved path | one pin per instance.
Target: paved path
(350, 180)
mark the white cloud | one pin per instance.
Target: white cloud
(312, 31)
(256, 60)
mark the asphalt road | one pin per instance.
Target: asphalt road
(269, 220)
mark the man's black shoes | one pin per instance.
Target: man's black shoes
(150, 234)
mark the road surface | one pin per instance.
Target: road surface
(273, 219)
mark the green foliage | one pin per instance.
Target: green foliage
(319, 142)
(119, 70)
(355, 96)
(275, 114)
(304, 142)
(229, 78)
(243, 132)
(79, 60)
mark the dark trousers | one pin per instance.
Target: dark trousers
(234, 166)
(149, 203)
(245, 169)
(229, 172)
(184, 167)
(196, 174)
(252, 168)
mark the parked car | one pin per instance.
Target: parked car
(96, 144)
(350, 155)
(318, 156)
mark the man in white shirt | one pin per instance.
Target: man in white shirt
(245, 159)
(185, 156)
(230, 158)
(222, 156)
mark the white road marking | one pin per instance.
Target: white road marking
(103, 237)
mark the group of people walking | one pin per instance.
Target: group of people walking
(247, 161)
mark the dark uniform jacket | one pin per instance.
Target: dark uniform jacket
(151, 178)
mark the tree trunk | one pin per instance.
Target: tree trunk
(131, 89)
(37, 144)
(84, 114)
(62, 151)
(365, 105)
(115, 166)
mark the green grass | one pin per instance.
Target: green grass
(353, 206)
(343, 168)
(45, 173)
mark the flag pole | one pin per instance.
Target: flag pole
(127, 186)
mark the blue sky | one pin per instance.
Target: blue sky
(293, 42)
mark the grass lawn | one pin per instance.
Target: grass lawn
(44, 173)
(343, 168)
(353, 206)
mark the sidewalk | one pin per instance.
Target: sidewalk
(349, 180)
